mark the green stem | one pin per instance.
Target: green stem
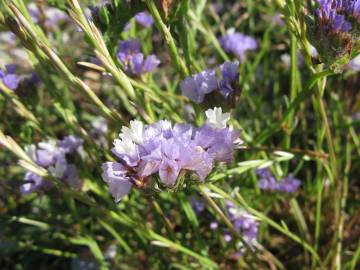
(169, 40)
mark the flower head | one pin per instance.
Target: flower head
(197, 86)
(334, 30)
(267, 181)
(244, 222)
(161, 151)
(237, 44)
(53, 16)
(51, 155)
(143, 18)
(133, 60)
(230, 77)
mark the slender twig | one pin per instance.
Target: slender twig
(296, 151)
(169, 40)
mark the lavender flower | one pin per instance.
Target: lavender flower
(289, 184)
(197, 205)
(328, 14)
(197, 86)
(334, 30)
(237, 44)
(230, 74)
(267, 181)
(53, 16)
(9, 78)
(163, 152)
(71, 143)
(51, 155)
(244, 222)
(133, 60)
(143, 18)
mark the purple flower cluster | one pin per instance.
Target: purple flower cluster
(9, 77)
(237, 44)
(245, 223)
(242, 221)
(196, 86)
(167, 152)
(338, 13)
(51, 155)
(334, 31)
(267, 181)
(329, 14)
(133, 60)
(53, 16)
(143, 18)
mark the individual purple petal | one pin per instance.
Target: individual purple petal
(115, 175)
(71, 143)
(151, 62)
(144, 18)
(168, 172)
(11, 81)
(150, 164)
(206, 81)
(135, 62)
(45, 158)
(238, 44)
(195, 87)
(10, 69)
(230, 74)
(33, 183)
(130, 46)
(189, 88)
(289, 184)
(127, 151)
(230, 71)
(267, 180)
(194, 158)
